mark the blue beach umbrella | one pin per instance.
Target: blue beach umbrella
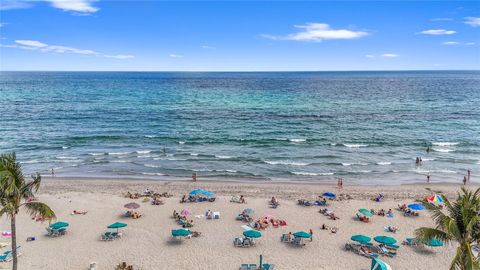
(329, 194)
(302, 234)
(378, 264)
(416, 206)
(196, 192)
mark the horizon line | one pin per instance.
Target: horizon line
(244, 71)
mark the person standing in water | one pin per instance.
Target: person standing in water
(428, 149)
(53, 173)
(469, 172)
(428, 177)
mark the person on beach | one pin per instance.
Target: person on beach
(464, 180)
(428, 149)
(469, 172)
(194, 177)
(53, 173)
(311, 235)
(341, 182)
(428, 177)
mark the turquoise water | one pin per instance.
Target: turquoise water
(367, 127)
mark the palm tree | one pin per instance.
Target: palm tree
(14, 192)
(459, 224)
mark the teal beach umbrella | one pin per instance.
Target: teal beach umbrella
(361, 238)
(385, 240)
(434, 243)
(365, 212)
(302, 234)
(252, 234)
(180, 232)
(117, 225)
(378, 264)
(58, 225)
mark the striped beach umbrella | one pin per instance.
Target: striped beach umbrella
(378, 264)
(435, 199)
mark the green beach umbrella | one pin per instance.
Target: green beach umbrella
(252, 234)
(434, 243)
(302, 235)
(58, 225)
(180, 232)
(365, 212)
(117, 225)
(361, 238)
(385, 240)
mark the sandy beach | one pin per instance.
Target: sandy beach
(147, 242)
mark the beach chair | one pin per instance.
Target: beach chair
(253, 267)
(238, 242)
(298, 241)
(244, 266)
(216, 215)
(246, 242)
(386, 252)
(366, 252)
(284, 238)
(410, 242)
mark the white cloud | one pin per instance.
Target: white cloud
(370, 56)
(207, 47)
(441, 19)
(470, 43)
(120, 56)
(13, 4)
(32, 43)
(36, 45)
(472, 21)
(316, 32)
(176, 56)
(451, 43)
(389, 55)
(438, 32)
(82, 6)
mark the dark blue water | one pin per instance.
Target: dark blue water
(367, 127)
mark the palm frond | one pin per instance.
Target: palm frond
(424, 234)
(39, 209)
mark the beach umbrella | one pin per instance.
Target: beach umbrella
(378, 264)
(196, 192)
(186, 212)
(252, 234)
(416, 206)
(208, 193)
(248, 211)
(361, 238)
(365, 212)
(180, 232)
(385, 240)
(435, 199)
(116, 225)
(58, 225)
(131, 205)
(434, 243)
(329, 194)
(302, 234)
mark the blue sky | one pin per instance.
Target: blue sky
(238, 36)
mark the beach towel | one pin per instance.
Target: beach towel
(7, 233)
(246, 228)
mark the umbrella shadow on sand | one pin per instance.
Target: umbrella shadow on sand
(174, 242)
(422, 250)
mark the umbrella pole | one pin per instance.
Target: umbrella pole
(261, 257)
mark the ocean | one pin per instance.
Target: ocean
(365, 127)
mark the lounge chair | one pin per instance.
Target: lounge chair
(386, 252)
(367, 252)
(298, 241)
(7, 255)
(410, 242)
(244, 266)
(253, 267)
(238, 242)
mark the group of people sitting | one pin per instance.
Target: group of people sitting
(330, 214)
(133, 214)
(407, 211)
(182, 220)
(157, 201)
(320, 202)
(262, 224)
(195, 198)
(382, 212)
(332, 229)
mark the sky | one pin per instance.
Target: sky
(122, 35)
